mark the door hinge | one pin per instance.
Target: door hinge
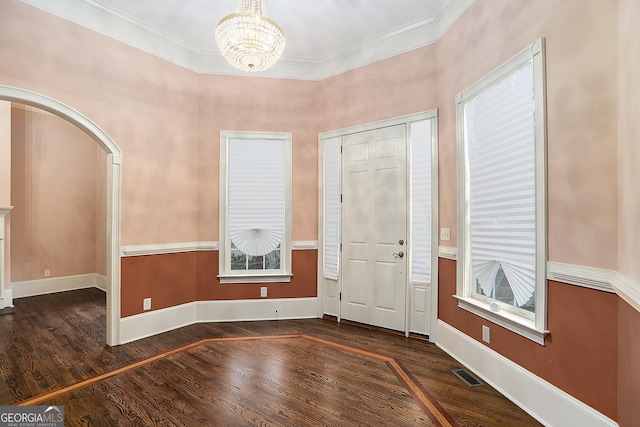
(340, 198)
(340, 247)
(340, 296)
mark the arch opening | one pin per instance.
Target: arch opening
(113, 191)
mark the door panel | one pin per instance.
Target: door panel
(374, 221)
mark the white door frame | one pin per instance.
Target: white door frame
(114, 186)
(331, 306)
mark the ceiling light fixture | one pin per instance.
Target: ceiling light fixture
(248, 39)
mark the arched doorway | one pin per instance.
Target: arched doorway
(113, 191)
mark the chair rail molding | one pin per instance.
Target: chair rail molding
(627, 289)
(587, 277)
(448, 252)
(167, 248)
(172, 248)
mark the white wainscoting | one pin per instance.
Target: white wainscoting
(58, 284)
(541, 399)
(155, 322)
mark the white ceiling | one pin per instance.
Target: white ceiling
(324, 37)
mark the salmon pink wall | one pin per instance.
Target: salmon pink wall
(54, 194)
(397, 86)
(5, 153)
(259, 104)
(629, 140)
(101, 212)
(148, 106)
(581, 40)
(5, 183)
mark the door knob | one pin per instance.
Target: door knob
(398, 254)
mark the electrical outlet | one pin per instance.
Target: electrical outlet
(47, 272)
(445, 234)
(486, 334)
(263, 292)
(146, 304)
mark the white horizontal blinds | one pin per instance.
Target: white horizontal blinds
(421, 201)
(499, 131)
(256, 185)
(331, 207)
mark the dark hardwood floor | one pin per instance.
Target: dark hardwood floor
(291, 372)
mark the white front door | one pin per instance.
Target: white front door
(374, 227)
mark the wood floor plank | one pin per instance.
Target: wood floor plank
(54, 341)
(242, 384)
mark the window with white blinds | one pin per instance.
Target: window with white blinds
(331, 242)
(502, 225)
(420, 143)
(499, 129)
(256, 195)
(255, 206)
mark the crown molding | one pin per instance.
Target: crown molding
(140, 35)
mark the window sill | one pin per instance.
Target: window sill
(256, 278)
(511, 321)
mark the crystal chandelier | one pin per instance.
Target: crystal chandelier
(248, 39)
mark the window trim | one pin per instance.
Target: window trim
(226, 275)
(534, 329)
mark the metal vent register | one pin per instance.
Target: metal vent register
(465, 376)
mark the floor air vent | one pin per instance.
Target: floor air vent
(465, 376)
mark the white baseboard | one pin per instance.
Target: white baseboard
(7, 297)
(257, 309)
(101, 282)
(57, 284)
(155, 322)
(542, 400)
(143, 325)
